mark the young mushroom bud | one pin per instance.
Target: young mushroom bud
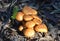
(30, 24)
(37, 22)
(41, 28)
(28, 17)
(29, 11)
(29, 33)
(19, 16)
(21, 28)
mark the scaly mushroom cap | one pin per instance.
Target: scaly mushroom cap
(37, 22)
(29, 11)
(30, 24)
(19, 16)
(28, 17)
(41, 28)
(29, 33)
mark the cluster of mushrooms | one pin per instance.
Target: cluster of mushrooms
(31, 23)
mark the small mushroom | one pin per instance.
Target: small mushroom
(19, 16)
(28, 17)
(38, 22)
(29, 33)
(36, 17)
(29, 11)
(30, 24)
(21, 28)
(41, 28)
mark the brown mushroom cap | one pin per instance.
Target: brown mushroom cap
(41, 28)
(19, 16)
(29, 33)
(21, 28)
(29, 11)
(28, 17)
(38, 22)
(30, 24)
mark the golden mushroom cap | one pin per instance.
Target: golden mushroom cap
(41, 28)
(28, 17)
(30, 24)
(29, 33)
(19, 16)
(38, 22)
(36, 17)
(21, 28)
(29, 11)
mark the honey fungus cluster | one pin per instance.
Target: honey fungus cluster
(32, 23)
